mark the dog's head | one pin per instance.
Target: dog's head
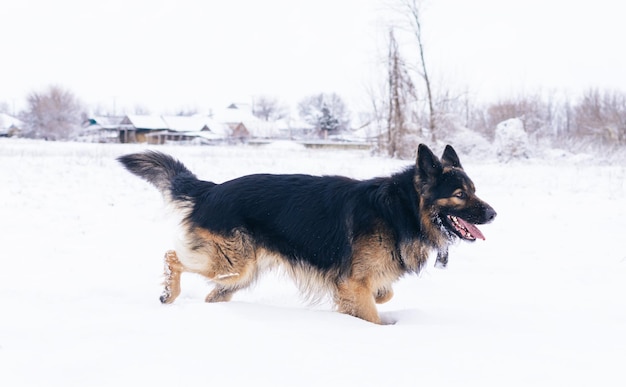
(448, 195)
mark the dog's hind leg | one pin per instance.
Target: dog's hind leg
(230, 262)
(227, 261)
(173, 268)
(356, 299)
(221, 293)
(172, 271)
(226, 285)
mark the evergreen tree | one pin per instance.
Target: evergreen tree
(327, 122)
(326, 112)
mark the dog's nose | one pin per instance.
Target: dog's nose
(490, 214)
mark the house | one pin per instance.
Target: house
(198, 128)
(235, 116)
(244, 124)
(9, 125)
(233, 123)
(102, 129)
(162, 129)
(136, 128)
(153, 129)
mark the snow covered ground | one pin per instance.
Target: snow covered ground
(541, 302)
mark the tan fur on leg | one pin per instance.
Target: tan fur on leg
(221, 294)
(356, 299)
(228, 261)
(383, 295)
(172, 272)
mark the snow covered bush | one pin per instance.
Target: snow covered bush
(471, 143)
(466, 141)
(53, 114)
(511, 140)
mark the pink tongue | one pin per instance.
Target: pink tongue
(472, 229)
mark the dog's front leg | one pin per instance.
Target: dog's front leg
(442, 258)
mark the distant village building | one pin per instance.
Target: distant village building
(199, 128)
(154, 129)
(235, 123)
(10, 126)
(136, 128)
(245, 125)
(102, 129)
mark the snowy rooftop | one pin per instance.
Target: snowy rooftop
(194, 123)
(146, 122)
(7, 121)
(235, 113)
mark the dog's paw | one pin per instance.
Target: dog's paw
(388, 320)
(166, 296)
(440, 264)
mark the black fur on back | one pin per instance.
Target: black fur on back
(309, 218)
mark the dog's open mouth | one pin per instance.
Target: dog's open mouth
(464, 229)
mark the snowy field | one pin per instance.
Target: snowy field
(541, 302)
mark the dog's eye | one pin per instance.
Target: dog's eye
(461, 195)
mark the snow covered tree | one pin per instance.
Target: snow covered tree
(54, 114)
(327, 121)
(326, 112)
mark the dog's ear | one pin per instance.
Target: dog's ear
(450, 158)
(427, 165)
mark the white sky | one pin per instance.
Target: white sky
(166, 55)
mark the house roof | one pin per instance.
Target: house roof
(235, 113)
(103, 122)
(194, 123)
(221, 124)
(106, 120)
(145, 122)
(182, 124)
(7, 122)
(185, 123)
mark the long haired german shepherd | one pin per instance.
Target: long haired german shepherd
(350, 239)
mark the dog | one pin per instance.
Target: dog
(346, 238)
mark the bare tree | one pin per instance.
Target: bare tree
(414, 11)
(141, 110)
(601, 116)
(269, 109)
(401, 92)
(54, 114)
(4, 108)
(187, 111)
(543, 116)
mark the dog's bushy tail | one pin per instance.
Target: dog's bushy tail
(167, 174)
